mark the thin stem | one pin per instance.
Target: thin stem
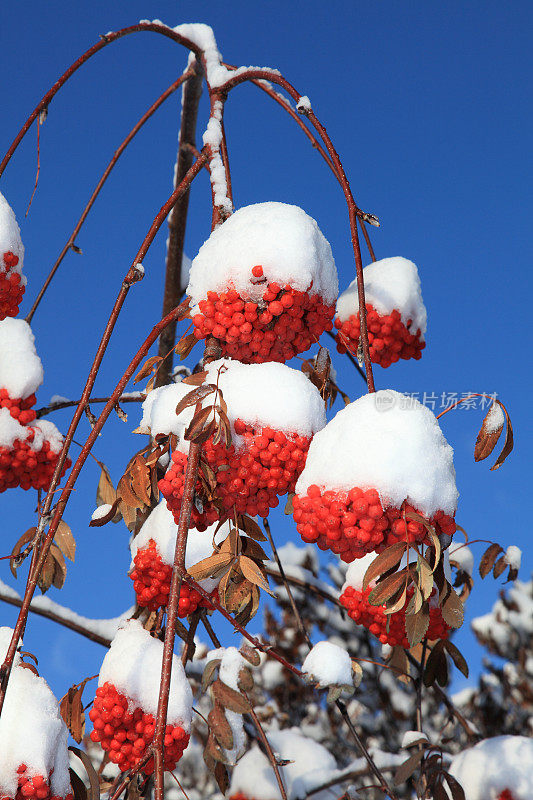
(109, 38)
(207, 625)
(268, 748)
(350, 357)
(188, 649)
(70, 243)
(38, 171)
(45, 410)
(420, 685)
(177, 219)
(191, 474)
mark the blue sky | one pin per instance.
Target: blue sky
(426, 104)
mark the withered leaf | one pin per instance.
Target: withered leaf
(487, 438)
(140, 480)
(196, 379)
(439, 792)
(397, 600)
(211, 566)
(250, 654)
(252, 549)
(499, 567)
(238, 595)
(230, 698)
(251, 528)
(147, 368)
(406, 769)
(452, 609)
(436, 666)
(385, 589)
(111, 516)
(195, 396)
(210, 672)
(221, 777)
(105, 492)
(455, 787)
(126, 494)
(425, 574)
(78, 787)
(60, 566)
(46, 576)
(384, 562)
(198, 423)
(65, 540)
(400, 664)
(254, 573)
(213, 751)
(416, 625)
(14, 561)
(220, 727)
(94, 784)
(185, 345)
(245, 681)
(457, 657)
(289, 508)
(488, 558)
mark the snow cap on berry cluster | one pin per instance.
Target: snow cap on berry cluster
(282, 238)
(31, 732)
(21, 370)
(10, 241)
(311, 764)
(388, 442)
(267, 395)
(133, 666)
(390, 283)
(160, 527)
(11, 429)
(329, 665)
(493, 765)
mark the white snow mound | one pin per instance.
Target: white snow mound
(160, 527)
(390, 283)
(267, 395)
(282, 238)
(312, 765)
(388, 442)
(21, 370)
(329, 664)
(10, 241)
(32, 733)
(504, 762)
(356, 572)
(133, 666)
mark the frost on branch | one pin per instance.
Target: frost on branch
(264, 283)
(126, 700)
(12, 282)
(396, 315)
(380, 458)
(496, 769)
(33, 737)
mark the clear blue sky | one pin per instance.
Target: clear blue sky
(426, 103)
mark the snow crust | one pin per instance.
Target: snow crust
(513, 556)
(231, 664)
(356, 571)
(101, 511)
(282, 238)
(495, 418)
(10, 241)
(160, 527)
(213, 138)
(410, 737)
(133, 666)
(390, 283)
(312, 765)
(387, 442)
(304, 104)
(329, 664)
(31, 731)
(268, 395)
(21, 370)
(504, 762)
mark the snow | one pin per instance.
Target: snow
(212, 137)
(516, 614)
(10, 429)
(268, 395)
(388, 442)
(329, 665)
(10, 241)
(101, 511)
(303, 106)
(513, 556)
(495, 419)
(390, 283)
(133, 666)
(230, 666)
(31, 732)
(311, 765)
(6, 634)
(185, 271)
(160, 527)
(282, 238)
(21, 370)
(504, 762)
(461, 555)
(410, 737)
(356, 571)
(49, 432)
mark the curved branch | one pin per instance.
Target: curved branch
(42, 412)
(106, 39)
(118, 152)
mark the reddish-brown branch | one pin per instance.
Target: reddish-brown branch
(109, 38)
(38, 171)
(268, 748)
(177, 219)
(191, 474)
(118, 152)
(42, 412)
(131, 277)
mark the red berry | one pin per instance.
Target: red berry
(388, 338)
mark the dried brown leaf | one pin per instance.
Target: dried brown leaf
(196, 379)
(195, 396)
(65, 540)
(198, 423)
(250, 654)
(406, 769)
(14, 561)
(488, 558)
(436, 666)
(94, 784)
(457, 657)
(147, 368)
(220, 727)
(453, 610)
(46, 576)
(499, 567)
(384, 562)
(209, 672)
(245, 681)
(185, 345)
(254, 573)
(221, 777)
(416, 625)
(229, 698)
(211, 566)
(386, 588)
(252, 529)
(60, 566)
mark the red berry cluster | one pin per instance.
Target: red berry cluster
(389, 628)
(33, 788)
(30, 469)
(151, 582)
(354, 523)
(19, 408)
(506, 795)
(125, 731)
(11, 286)
(285, 322)
(249, 479)
(240, 796)
(388, 338)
